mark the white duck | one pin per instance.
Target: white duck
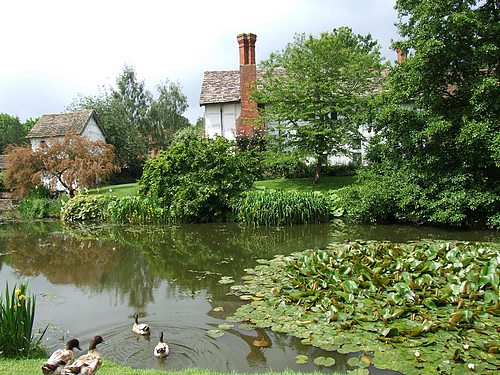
(161, 349)
(61, 358)
(140, 329)
(87, 364)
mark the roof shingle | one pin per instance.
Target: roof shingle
(60, 124)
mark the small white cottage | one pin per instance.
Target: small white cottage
(55, 126)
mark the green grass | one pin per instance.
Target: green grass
(299, 184)
(116, 190)
(32, 366)
(306, 184)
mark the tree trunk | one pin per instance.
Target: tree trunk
(317, 174)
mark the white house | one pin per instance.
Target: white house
(56, 126)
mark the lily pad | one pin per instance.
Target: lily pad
(215, 333)
(324, 361)
(219, 309)
(225, 327)
(226, 280)
(301, 359)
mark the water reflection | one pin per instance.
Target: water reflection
(91, 279)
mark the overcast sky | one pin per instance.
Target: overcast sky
(53, 50)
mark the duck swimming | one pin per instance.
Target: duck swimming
(61, 358)
(140, 329)
(161, 349)
(87, 364)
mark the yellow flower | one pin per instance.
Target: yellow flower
(22, 297)
(18, 292)
(18, 305)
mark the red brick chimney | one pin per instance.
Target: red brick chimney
(401, 56)
(248, 75)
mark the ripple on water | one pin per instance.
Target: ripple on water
(189, 347)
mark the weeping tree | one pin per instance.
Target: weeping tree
(317, 90)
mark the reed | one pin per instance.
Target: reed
(275, 207)
(17, 314)
(138, 210)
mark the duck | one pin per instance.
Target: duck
(87, 364)
(61, 358)
(140, 329)
(161, 349)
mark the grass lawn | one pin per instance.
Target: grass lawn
(306, 184)
(116, 190)
(32, 366)
(299, 184)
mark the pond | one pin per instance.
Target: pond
(91, 279)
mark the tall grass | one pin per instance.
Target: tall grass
(17, 314)
(275, 207)
(138, 210)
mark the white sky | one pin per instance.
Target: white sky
(53, 50)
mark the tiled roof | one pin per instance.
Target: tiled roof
(220, 87)
(60, 124)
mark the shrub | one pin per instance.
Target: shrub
(285, 165)
(40, 204)
(17, 314)
(87, 207)
(277, 207)
(408, 196)
(2, 186)
(199, 178)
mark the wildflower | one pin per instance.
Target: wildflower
(465, 346)
(18, 292)
(471, 366)
(22, 297)
(417, 353)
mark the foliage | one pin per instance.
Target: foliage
(86, 208)
(12, 131)
(199, 178)
(40, 208)
(138, 210)
(74, 162)
(317, 90)
(285, 165)
(420, 307)
(305, 184)
(17, 314)
(2, 186)
(438, 137)
(275, 208)
(133, 120)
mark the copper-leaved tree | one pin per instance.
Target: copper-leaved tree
(71, 163)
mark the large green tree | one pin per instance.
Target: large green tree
(134, 121)
(12, 131)
(317, 90)
(438, 135)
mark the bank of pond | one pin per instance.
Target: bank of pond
(318, 297)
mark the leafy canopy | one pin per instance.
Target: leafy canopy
(438, 136)
(198, 178)
(317, 89)
(133, 120)
(74, 162)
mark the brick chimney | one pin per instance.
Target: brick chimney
(248, 75)
(401, 56)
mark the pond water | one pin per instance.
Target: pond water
(91, 279)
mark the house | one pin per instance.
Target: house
(225, 95)
(55, 126)
(229, 112)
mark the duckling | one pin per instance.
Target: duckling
(161, 349)
(61, 358)
(87, 364)
(140, 329)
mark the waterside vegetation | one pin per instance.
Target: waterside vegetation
(427, 307)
